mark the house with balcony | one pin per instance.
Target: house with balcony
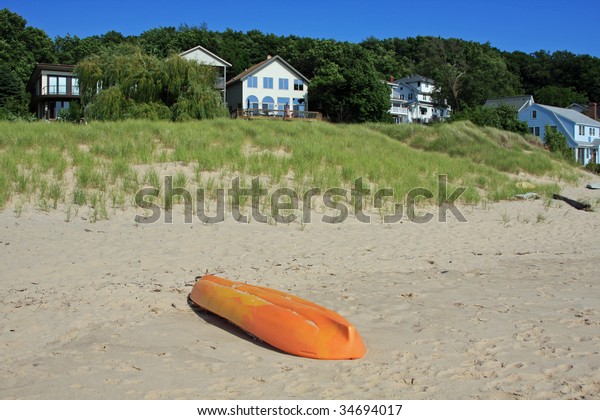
(413, 100)
(270, 88)
(581, 131)
(53, 88)
(201, 55)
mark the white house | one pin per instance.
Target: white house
(412, 100)
(581, 131)
(203, 56)
(270, 87)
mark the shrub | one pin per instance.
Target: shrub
(557, 143)
(503, 117)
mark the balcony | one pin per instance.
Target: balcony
(398, 110)
(60, 91)
(220, 83)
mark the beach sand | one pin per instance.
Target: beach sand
(504, 306)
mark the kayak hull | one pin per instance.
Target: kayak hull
(286, 322)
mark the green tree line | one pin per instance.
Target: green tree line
(345, 77)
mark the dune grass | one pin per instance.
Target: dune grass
(102, 165)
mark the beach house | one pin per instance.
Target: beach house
(203, 56)
(413, 100)
(270, 88)
(581, 131)
(53, 88)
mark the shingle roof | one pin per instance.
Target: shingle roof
(572, 115)
(517, 102)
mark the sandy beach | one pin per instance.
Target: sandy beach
(504, 306)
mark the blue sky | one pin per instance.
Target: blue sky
(526, 25)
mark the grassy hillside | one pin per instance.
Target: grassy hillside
(104, 164)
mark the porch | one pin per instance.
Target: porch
(275, 114)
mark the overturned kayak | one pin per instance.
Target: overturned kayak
(286, 322)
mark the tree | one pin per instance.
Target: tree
(559, 96)
(21, 46)
(127, 83)
(557, 143)
(348, 89)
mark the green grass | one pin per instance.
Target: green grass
(91, 164)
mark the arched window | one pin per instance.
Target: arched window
(252, 102)
(268, 103)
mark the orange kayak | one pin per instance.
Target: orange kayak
(286, 322)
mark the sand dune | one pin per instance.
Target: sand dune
(503, 306)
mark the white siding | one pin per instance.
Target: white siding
(275, 70)
(239, 92)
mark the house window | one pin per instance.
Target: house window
(534, 130)
(298, 84)
(252, 82)
(402, 96)
(592, 131)
(298, 104)
(423, 110)
(282, 102)
(267, 82)
(533, 115)
(252, 102)
(62, 85)
(268, 103)
(283, 84)
(52, 85)
(581, 130)
(410, 96)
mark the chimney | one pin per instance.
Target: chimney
(593, 110)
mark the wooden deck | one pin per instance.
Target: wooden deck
(274, 114)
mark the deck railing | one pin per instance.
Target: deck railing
(255, 113)
(399, 110)
(60, 90)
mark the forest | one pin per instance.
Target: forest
(344, 76)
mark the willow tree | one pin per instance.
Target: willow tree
(128, 83)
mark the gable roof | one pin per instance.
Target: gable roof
(571, 115)
(517, 102)
(415, 78)
(201, 49)
(259, 66)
